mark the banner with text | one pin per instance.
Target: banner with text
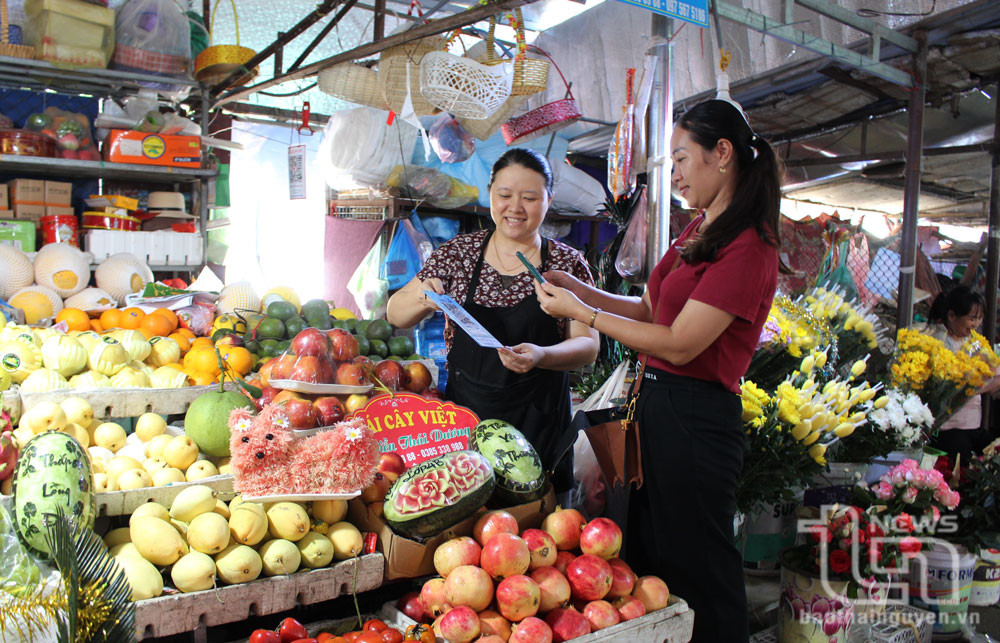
(693, 11)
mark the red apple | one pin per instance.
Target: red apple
(375, 492)
(418, 377)
(329, 410)
(391, 373)
(311, 342)
(266, 396)
(629, 607)
(601, 537)
(542, 548)
(566, 624)
(601, 614)
(590, 577)
(282, 368)
(391, 465)
(300, 411)
(351, 374)
(433, 394)
(343, 346)
(531, 630)
(412, 605)
(622, 579)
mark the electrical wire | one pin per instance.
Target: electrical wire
(295, 93)
(875, 13)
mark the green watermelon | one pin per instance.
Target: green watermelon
(437, 494)
(518, 470)
(53, 471)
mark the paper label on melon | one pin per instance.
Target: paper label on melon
(515, 462)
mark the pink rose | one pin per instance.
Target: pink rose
(909, 464)
(883, 491)
(910, 495)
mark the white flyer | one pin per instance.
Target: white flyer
(468, 323)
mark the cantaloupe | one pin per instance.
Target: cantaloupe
(63, 268)
(37, 302)
(239, 296)
(123, 274)
(90, 299)
(16, 271)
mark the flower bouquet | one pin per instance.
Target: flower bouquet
(855, 328)
(790, 332)
(907, 491)
(899, 420)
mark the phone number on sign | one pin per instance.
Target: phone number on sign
(434, 451)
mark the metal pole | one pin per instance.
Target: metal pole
(911, 187)
(661, 119)
(993, 245)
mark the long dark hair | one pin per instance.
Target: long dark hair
(756, 200)
(525, 158)
(959, 300)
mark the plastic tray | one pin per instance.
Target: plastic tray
(320, 389)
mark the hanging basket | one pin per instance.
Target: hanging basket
(542, 120)
(215, 63)
(462, 86)
(6, 48)
(353, 83)
(392, 74)
(484, 128)
(531, 75)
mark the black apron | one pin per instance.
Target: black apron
(537, 403)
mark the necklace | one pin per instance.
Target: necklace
(496, 253)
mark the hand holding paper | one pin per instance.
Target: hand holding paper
(465, 321)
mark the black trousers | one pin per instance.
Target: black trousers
(964, 442)
(680, 523)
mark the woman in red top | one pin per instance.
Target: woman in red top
(696, 327)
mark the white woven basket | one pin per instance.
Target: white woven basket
(462, 86)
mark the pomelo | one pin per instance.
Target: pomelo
(207, 420)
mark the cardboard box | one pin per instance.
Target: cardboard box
(58, 193)
(127, 146)
(33, 213)
(98, 201)
(27, 192)
(4, 203)
(17, 233)
(52, 210)
(405, 558)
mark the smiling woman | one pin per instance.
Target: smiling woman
(525, 382)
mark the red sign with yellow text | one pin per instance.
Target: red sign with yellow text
(418, 428)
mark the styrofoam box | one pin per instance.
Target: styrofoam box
(158, 248)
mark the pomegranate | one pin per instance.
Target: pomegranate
(469, 586)
(518, 597)
(601, 537)
(563, 559)
(653, 593)
(492, 623)
(8, 454)
(554, 589)
(490, 638)
(542, 548)
(460, 625)
(564, 525)
(505, 555)
(492, 523)
(601, 614)
(566, 624)
(589, 577)
(531, 630)
(433, 598)
(629, 607)
(622, 578)
(455, 553)
(413, 606)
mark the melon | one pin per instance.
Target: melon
(63, 268)
(19, 360)
(37, 302)
(237, 297)
(90, 299)
(207, 420)
(44, 380)
(518, 470)
(64, 354)
(16, 271)
(53, 473)
(437, 494)
(122, 274)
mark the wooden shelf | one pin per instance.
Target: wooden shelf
(54, 167)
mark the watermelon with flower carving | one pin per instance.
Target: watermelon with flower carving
(438, 494)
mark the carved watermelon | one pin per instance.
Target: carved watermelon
(438, 494)
(518, 470)
(53, 471)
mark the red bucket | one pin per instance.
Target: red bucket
(59, 228)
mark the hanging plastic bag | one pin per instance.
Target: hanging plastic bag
(631, 259)
(402, 261)
(370, 291)
(450, 141)
(620, 178)
(153, 36)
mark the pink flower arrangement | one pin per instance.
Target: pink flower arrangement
(908, 490)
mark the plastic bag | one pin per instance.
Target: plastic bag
(621, 181)
(430, 185)
(70, 130)
(358, 147)
(450, 141)
(146, 27)
(17, 569)
(370, 291)
(441, 229)
(197, 318)
(631, 259)
(402, 261)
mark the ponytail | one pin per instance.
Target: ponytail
(959, 300)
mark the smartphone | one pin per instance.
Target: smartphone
(534, 271)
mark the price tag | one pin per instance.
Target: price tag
(296, 171)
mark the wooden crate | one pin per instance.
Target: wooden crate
(123, 503)
(672, 624)
(125, 402)
(179, 613)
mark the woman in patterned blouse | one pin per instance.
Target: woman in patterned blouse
(524, 383)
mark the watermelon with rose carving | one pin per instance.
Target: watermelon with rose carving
(438, 494)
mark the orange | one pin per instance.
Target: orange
(75, 318)
(202, 360)
(131, 318)
(111, 318)
(155, 326)
(182, 341)
(237, 358)
(186, 332)
(95, 325)
(170, 315)
(202, 342)
(197, 378)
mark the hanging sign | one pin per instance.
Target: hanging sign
(296, 171)
(418, 428)
(693, 11)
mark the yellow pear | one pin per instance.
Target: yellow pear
(78, 411)
(208, 533)
(224, 466)
(170, 475)
(287, 520)
(200, 470)
(221, 509)
(330, 511)
(280, 556)
(180, 452)
(78, 432)
(157, 540)
(152, 465)
(154, 509)
(155, 447)
(110, 435)
(102, 484)
(150, 425)
(238, 564)
(44, 416)
(22, 435)
(316, 550)
(134, 479)
(346, 539)
(118, 465)
(194, 572)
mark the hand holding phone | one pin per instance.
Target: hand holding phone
(534, 271)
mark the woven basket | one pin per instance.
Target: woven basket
(7, 49)
(462, 86)
(542, 120)
(353, 83)
(484, 128)
(392, 67)
(214, 64)
(531, 75)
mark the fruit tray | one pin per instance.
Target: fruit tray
(179, 613)
(320, 389)
(123, 503)
(125, 402)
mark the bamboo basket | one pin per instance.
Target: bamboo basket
(392, 71)
(216, 62)
(6, 48)
(484, 128)
(353, 83)
(531, 75)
